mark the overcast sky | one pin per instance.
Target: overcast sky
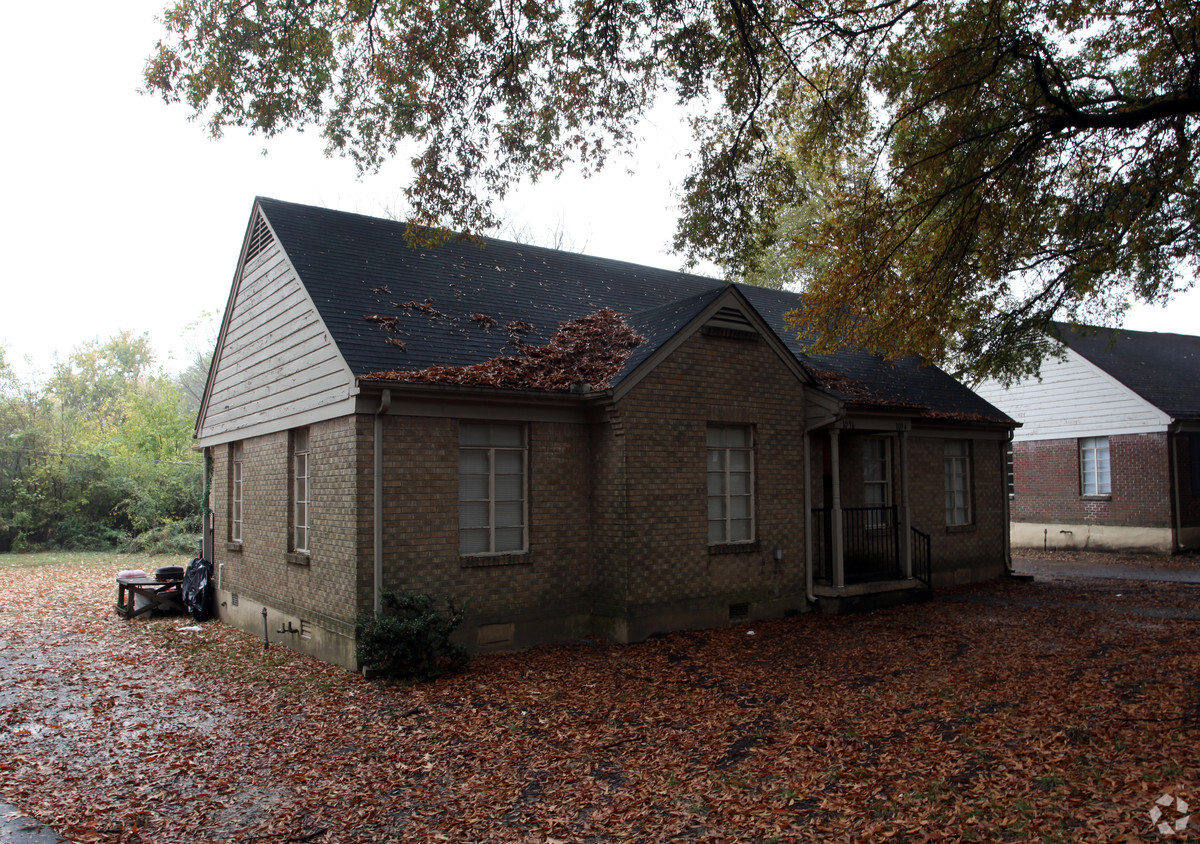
(120, 214)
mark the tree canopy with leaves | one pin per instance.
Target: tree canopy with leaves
(943, 178)
(100, 455)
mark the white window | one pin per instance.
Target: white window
(956, 456)
(877, 480)
(492, 461)
(1093, 466)
(301, 492)
(235, 492)
(730, 485)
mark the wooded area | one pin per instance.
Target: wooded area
(98, 455)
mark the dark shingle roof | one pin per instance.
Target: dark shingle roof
(1164, 369)
(462, 294)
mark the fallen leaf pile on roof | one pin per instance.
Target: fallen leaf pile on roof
(589, 350)
(1002, 712)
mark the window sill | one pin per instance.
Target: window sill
(514, 558)
(960, 528)
(233, 547)
(298, 559)
(1105, 497)
(733, 548)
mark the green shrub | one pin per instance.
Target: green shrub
(176, 538)
(410, 639)
(75, 532)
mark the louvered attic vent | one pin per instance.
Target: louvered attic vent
(730, 322)
(260, 238)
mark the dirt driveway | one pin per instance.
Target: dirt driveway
(1051, 711)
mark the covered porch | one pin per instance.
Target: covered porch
(865, 551)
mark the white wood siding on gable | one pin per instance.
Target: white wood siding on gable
(1074, 398)
(276, 367)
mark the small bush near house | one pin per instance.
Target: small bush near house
(410, 639)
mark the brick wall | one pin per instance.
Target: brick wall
(656, 475)
(546, 586)
(960, 553)
(1046, 477)
(617, 508)
(323, 587)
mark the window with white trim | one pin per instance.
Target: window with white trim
(1094, 466)
(301, 491)
(956, 457)
(730, 484)
(492, 481)
(236, 478)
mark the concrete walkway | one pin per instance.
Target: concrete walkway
(1152, 570)
(18, 828)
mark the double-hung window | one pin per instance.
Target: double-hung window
(236, 478)
(492, 481)
(956, 457)
(1093, 466)
(730, 485)
(301, 492)
(877, 481)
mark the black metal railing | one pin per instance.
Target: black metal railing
(870, 544)
(922, 558)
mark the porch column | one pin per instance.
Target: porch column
(835, 512)
(905, 514)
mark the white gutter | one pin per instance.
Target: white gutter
(385, 402)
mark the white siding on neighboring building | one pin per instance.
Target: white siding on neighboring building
(276, 366)
(1074, 398)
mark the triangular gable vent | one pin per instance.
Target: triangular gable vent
(730, 322)
(260, 238)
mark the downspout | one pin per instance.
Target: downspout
(206, 514)
(906, 559)
(1173, 467)
(808, 529)
(1007, 507)
(385, 403)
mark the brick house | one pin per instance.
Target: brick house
(573, 446)
(1108, 455)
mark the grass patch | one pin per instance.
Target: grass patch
(110, 559)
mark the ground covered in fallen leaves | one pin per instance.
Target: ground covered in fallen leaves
(1049, 711)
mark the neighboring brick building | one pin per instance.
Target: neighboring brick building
(1109, 453)
(472, 420)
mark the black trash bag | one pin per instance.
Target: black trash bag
(198, 589)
